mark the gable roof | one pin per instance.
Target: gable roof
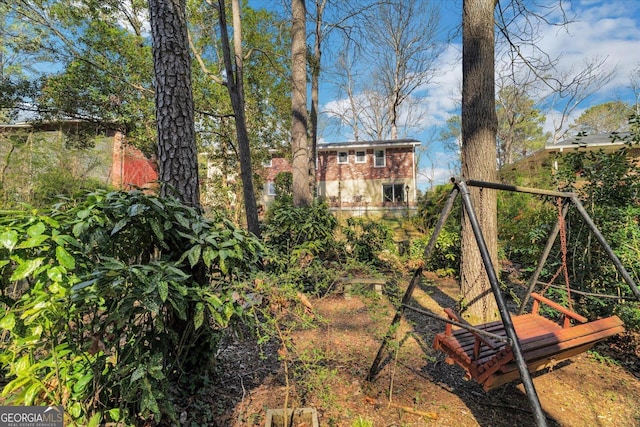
(386, 143)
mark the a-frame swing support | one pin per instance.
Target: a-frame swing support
(460, 187)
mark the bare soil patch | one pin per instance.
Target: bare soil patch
(416, 388)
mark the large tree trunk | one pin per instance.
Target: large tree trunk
(479, 126)
(300, 163)
(235, 86)
(177, 152)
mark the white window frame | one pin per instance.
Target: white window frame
(271, 188)
(347, 157)
(268, 163)
(364, 156)
(375, 158)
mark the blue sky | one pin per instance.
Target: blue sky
(607, 31)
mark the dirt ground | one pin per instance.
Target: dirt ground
(416, 388)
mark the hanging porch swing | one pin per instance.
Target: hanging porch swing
(499, 352)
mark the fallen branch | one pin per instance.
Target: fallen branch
(430, 415)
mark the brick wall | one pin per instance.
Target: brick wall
(398, 164)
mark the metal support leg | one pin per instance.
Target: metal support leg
(417, 275)
(534, 401)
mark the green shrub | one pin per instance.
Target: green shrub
(607, 186)
(111, 301)
(367, 239)
(445, 258)
(292, 233)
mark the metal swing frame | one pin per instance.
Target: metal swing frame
(461, 188)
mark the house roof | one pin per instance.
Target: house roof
(368, 144)
(600, 140)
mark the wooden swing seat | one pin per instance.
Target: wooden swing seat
(544, 343)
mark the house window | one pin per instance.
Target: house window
(393, 193)
(380, 158)
(268, 163)
(271, 188)
(361, 156)
(343, 157)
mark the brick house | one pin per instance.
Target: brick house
(360, 176)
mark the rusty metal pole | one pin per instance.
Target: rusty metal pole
(533, 280)
(534, 401)
(614, 258)
(417, 275)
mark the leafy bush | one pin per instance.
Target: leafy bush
(367, 239)
(445, 258)
(607, 186)
(294, 232)
(525, 223)
(111, 301)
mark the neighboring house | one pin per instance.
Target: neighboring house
(362, 176)
(84, 149)
(543, 161)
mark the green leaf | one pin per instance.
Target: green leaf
(136, 209)
(81, 384)
(55, 273)
(79, 228)
(149, 402)
(163, 290)
(83, 285)
(33, 242)
(208, 255)
(157, 229)
(114, 414)
(36, 229)
(182, 220)
(9, 238)
(84, 213)
(8, 321)
(119, 225)
(140, 372)
(31, 393)
(194, 255)
(24, 269)
(65, 258)
(95, 420)
(198, 316)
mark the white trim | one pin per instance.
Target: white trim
(271, 188)
(364, 156)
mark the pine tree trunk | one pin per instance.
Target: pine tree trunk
(479, 127)
(177, 152)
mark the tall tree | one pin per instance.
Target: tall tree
(405, 52)
(520, 129)
(235, 85)
(266, 98)
(608, 117)
(103, 63)
(299, 117)
(177, 152)
(398, 45)
(479, 127)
